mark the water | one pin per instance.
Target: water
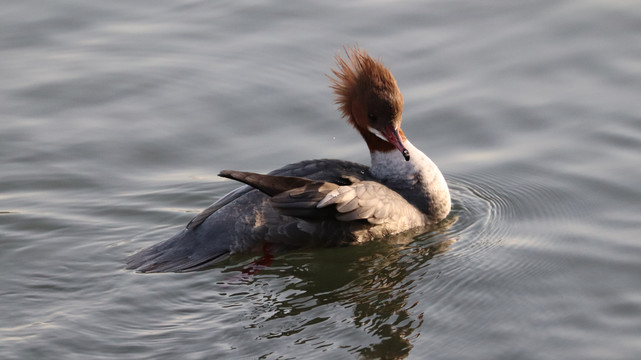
(117, 116)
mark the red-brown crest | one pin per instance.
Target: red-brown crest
(359, 74)
(367, 95)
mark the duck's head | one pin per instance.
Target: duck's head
(369, 98)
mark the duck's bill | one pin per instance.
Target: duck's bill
(394, 138)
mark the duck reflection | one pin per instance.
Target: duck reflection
(366, 287)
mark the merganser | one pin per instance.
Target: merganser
(320, 202)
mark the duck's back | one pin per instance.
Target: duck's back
(244, 220)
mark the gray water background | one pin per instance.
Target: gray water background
(116, 116)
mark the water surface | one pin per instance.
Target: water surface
(116, 117)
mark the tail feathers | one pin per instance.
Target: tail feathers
(269, 184)
(182, 252)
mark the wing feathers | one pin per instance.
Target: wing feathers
(269, 184)
(305, 198)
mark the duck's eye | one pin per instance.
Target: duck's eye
(371, 117)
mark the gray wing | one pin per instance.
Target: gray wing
(330, 170)
(358, 200)
(196, 247)
(290, 195)
(231, 196)
(371, 201)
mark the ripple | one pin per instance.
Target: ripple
(489, 206)
(499, 227)
(478, 211)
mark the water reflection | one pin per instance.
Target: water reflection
(366, 287)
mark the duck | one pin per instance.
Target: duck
(319, 203)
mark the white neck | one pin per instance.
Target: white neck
(391, 165)
(416, 179)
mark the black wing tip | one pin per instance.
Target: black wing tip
(226, 174)
(236, 174)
